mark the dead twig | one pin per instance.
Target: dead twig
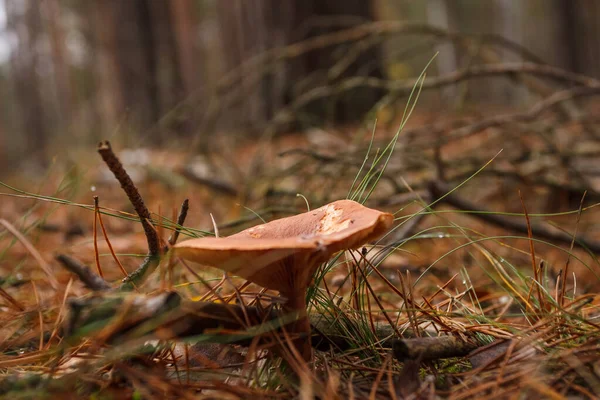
(115, 166)
(83, 272)
(535, 112)
(213, 183)
(404, 88)
(185, 206)
(167, 316)
(152, 259)
(431, 348)
(439, 189)
(263, 61)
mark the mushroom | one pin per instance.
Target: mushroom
(284, 254)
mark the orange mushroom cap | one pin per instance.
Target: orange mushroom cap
(283, 254)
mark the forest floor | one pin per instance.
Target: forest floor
(490, 248)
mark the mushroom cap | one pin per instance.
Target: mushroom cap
(283, 254)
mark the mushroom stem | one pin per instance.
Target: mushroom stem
(300, 327)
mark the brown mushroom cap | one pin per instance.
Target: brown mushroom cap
(284, 254)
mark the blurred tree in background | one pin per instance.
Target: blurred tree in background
(152, 71)
(251, 28)
(148, 60)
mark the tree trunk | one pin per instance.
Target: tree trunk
(148, 45)
(126, 31)
(440, 14)
(511, 23)
(110, 104)
(24, 62)
(251, 27)
(183, 21)
(580, 32)
(61, 64)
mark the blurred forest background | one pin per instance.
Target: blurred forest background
(154, 72)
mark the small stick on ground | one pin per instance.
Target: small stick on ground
(431, 348)
(115, 166)
(170, 317)
(439, 189)
(152, 259)
(180, 221)
(84, 273)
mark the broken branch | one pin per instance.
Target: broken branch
(152, 259)
(185, 206)
(115, 166)
(83, 272)
(431, 348)
(439, 189)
